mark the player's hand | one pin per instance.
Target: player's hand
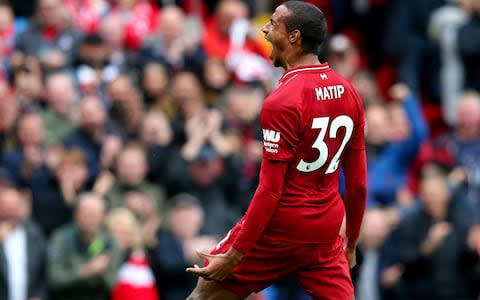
(350, 252)
(219, 265)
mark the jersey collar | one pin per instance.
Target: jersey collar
(301, 69)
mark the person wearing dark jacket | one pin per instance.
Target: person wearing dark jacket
(83, 259)
(93, 135)
(431, 246)
(171, 251)
(22, 251)
(49, 36)
(54, 197)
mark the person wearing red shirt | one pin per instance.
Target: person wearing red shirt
(312, 125)
(216, 38)
(139, 20)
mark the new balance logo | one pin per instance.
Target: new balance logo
(271, 135)
(323, 76)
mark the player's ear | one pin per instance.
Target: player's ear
(294, 36)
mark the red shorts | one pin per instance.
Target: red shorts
(320, 269)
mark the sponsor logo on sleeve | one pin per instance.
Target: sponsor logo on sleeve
(270, 140)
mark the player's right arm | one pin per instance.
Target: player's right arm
(279, 125)
(263, 204)
(260, 211)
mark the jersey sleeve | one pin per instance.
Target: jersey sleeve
(279, 128)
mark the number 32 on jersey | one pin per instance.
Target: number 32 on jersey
(323, 123)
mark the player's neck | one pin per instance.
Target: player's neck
(301, 60)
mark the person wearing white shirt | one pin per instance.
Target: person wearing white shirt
(22, 251)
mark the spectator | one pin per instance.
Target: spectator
(175, 44)
(367, 87)
(126, 106)
(443, 30)
(54, 197)
(242, 117)
(28, 161)
(143, 207)
(86, 14)
(113, 35)
(342, 56)
(463, 145)
(58, 116)
(83, 259)
(408, 130)
(95, 137)
(196, 125)
(431, 245)
(216, 79)
(98, 63)
(91, 62)
(217, 40)
(49, 37)
(28, 85)
(378, 131)
(213, 180)
(135, 278)
(139, 19)
(155, 84)
(374, 233)
(156, 136)
(23, 249)
(171, 251)
(131, 169)
(188, 96)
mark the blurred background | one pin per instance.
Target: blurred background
(129, 137)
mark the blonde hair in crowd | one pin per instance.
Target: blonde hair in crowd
(122, 214)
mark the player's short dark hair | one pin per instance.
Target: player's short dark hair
(310, 21)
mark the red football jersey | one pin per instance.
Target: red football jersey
(311, 120)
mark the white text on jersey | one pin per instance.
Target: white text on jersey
(330, 92)
(271, 135)
(270, 140)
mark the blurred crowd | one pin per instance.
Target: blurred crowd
(129, 138)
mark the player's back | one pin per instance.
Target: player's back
(317, 116)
